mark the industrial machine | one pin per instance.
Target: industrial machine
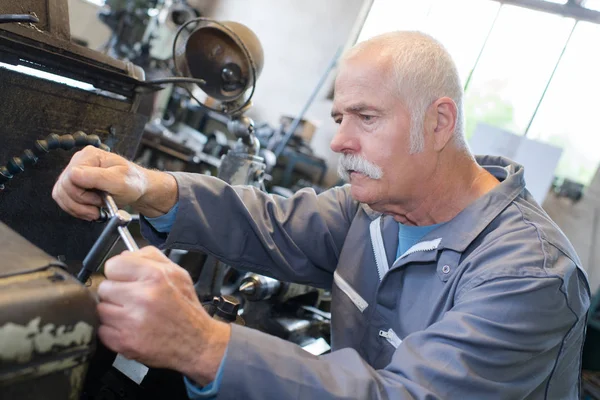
(49, 85)
(51, 88)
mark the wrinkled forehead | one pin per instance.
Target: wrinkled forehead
(364, 78)
(366, 65)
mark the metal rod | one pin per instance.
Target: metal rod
(124, 217)
(482, 49)
(13, 18)
(568, 10)
(110, 205)
(299, 117)
(560, 57)
(127, 238)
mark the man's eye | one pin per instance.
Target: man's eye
(367, 118)
(337, 120)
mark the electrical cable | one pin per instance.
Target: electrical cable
(18, 18)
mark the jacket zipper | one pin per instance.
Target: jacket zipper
(391, 337)
(378, 248)
(358, 301)
(429, 245)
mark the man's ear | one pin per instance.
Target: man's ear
(443, 116)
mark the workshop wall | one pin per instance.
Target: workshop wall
(85, 24)
(299, 41)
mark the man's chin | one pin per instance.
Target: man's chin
(361, 193)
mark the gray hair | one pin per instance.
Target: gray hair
(424, 72)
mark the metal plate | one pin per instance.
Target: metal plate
(31, 109)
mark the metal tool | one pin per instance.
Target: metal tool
(124, 218)
(115, 228)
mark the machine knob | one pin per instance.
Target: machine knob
(227, 307)
(256, 287)
(224, 308)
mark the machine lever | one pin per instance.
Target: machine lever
(115, 228)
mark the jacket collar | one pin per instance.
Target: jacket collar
(458, 233)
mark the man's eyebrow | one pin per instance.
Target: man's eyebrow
(355, 109)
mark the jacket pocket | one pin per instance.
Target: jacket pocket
(345, 287)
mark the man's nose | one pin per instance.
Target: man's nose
(344, 141)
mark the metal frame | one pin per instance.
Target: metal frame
(573, 9)
(58, 19)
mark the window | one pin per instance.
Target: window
(510, 53)
(96, 2)
(440, 19)
(514, 68)
(392, 15)
(464, 45)
(569, 112)
(592, 5)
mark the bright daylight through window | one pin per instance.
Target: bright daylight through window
(525, 71)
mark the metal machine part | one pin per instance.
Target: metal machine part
(48, 324)
(242, 169)
(103, 101)
(224, 308)
(115, 228)
(118, 219)
(257, 287)
(21, 18)
(226, 55)
(16, 165)
(286, 310)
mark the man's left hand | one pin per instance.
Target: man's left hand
(149, 312)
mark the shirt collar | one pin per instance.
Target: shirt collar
(458, 233)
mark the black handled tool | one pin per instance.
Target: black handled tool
(116, 227)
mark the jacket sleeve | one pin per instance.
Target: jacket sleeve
(297, 239)
(501, 340)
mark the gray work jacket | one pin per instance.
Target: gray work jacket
(491, 305)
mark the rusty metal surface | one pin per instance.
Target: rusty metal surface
(15, 262)
(48, 329)
(32, 108)
(47, 45)
(48, 324)
(40, 8)
(53, 31)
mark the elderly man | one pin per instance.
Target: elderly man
(448, 280)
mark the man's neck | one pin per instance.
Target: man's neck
(456, 182)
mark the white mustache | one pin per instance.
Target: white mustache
(353, 162)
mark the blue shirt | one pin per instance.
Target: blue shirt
(408, 236)
(163, 224)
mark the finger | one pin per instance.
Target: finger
(72, 207)
(153, 253)
(131, 267)
(89, 155)
(168, 268)
(81, 195)
(111, 314)
(117, 293)
(111, 337)
(87, 177)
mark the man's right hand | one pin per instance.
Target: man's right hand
(152, 193)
